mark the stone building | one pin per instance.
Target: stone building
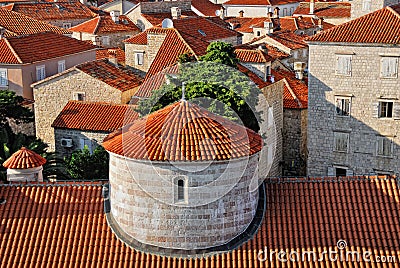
(81, 124)
(96, 81)
(182, 178)
(333, 12)
(254, 8)
(362, 7)
(354, 97)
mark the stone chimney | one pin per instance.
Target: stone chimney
(299, 68)
(115, 15)
(269, 26)
(112, 56)
(176, 13)
(241, 12)
(276, 12)
(320, 23)
(312, 6)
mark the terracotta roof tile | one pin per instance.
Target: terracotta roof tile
(38, 47)
(273, 52)
(295, 94)
(183, 131)
(53, 10)
(120, 77)
(64, 225)
(17, 24)
(206, 7)
(105, 24)
(381, 26)
(156, 18)
(94, 116)
(330, 9)
(104, 53)
(252, 55)
(260, 2)
(23, 159)
(246, 24)
(138, 39)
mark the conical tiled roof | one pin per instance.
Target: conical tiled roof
(24, 158)
(183, 131)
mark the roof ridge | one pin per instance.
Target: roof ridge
(102, 103)
(97, 25)
(292, 92)
(393, 11)
(277, 180)
(12, 50)
(184, 41)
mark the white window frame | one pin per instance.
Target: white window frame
(3, 77)
(381, 141)
(66, 25)
(389, 67)
(340, 106)
(337, 135)
(139, 58)
(383, 112)
(75, 96)
(344, 65)
(61, 66)
(366, 5)
(105, 40)
(40, 72)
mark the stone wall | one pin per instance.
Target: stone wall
(164, 6)
(357, 6)
(59, 23)
(218, 204)
(365, 87)
(115, 38)
(294, 142)
(51, 96)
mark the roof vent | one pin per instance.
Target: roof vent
(167, 23)
(202, 32)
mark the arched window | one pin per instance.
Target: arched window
(181, 190)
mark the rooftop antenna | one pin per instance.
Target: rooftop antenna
(183, 91)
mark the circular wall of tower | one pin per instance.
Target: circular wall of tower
(216, 205)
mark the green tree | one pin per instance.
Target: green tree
(221, 52)
(10, 107)
(82, 165)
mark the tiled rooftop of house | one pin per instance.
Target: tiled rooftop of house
(23, 159)
(105, 24)
(252, 55)
(381, 26)
(206, 7)
(183, 131)
(260, 2)
(18, 24)
(104, 53)
(60, 10)
(246, 24)
(289, 39)
(38, 47)
(94, 116)
(330, 9)
(64, 225)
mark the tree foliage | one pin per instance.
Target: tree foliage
(10, 107)
(82, 165)
(221, 52)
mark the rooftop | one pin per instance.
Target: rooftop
(105, 24)
(94, 116)
(206, 7)
(328, 9)
(39, 47)
(23, 159)
(183, 131)
(260, 2)
(104, 53)
(63, 224)
(157, 18)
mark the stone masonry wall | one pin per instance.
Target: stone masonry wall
(357, 6)
(164, 6)
(144, 205)
(365, 87)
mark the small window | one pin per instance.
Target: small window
(385, 109)
(343, 66)
(105, 40)
(139, 58)
(79, 96)
(181, 190)
(61, 66)
(340, 172)
(3, 78)
(258, 33)
(389, 67)
(285, 12)
(86, 143)
(343, 106)
(291, 11)
(366, 5)
(66, 25)
(40, 72)
(384, 146)
(341, 141)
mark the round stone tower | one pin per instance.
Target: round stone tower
(180, 178)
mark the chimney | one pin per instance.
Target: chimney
(2, 32)
(176, 13)
(115, 15)
(270, 14)
(269, 26)
(276, 12)
(222, 13)
(312, 6)
(320, 23)
(84, 2)
(263, 48)
(112, 56)
(96, 40)
(241, 12)
(299, 68)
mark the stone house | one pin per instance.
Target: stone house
(30, 58)
(106, 30)
(64, 14)
(362, 7)
(206, 8)
(254, 8)
(333, 12)
(354, 97)
(81, 124)
(122, 6)
(95, 81)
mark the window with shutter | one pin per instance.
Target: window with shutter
(385, 109)
(139, 58)
(366, 5)
(384, 146)
(389, 67)
(343, 66)
(343, 106)
(40, 72)
(61, 66)
(3, 78)
(341, 142)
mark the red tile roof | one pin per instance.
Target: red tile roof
(120, 77)
(64, 225)
(94, 116)
(104, 53)
(53, 10)
(183, 131)
(206, 7)
(246, 24)
(19, 24)
(23, 159)
(289, 39)
(139, 39)
(156, 18)
(252, 55)
(381, 26)
(273, 52)
(38, 47)
(331, 9)
(105, 24)
(260, 2)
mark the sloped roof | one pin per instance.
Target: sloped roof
(105, 24)
(206, 7)
(260, 2)
(53, 10)
(94, 116)
(252, 55)
(156, 18)
(23, 159)
(18, 24)
(38, 47)
(183, 131)
(64, 224)
(329, 9)
(289, 39)
(273, 52)
(104, 53)
(381, 26)
(120, 77)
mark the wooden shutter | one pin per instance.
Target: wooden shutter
(396, 110)
(375, 109)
